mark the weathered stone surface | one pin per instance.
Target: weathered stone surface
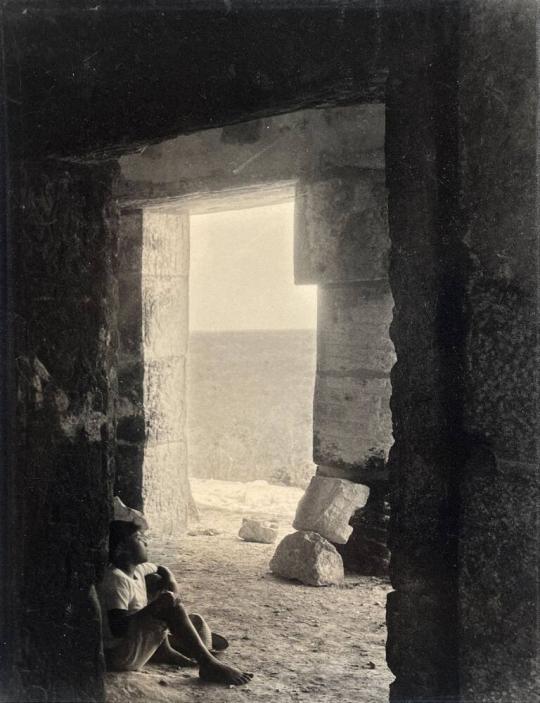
(351, 419)
(253, 530)
(341, 230)
(166, 244)
(130, 439)
(353, 323)
(295, 145)
(167, 497)
(61, 458)
(153, 331)
(165, 301)
(327, 507)
(128, 480)
(425, 263)
(499, 547)
(156, 77)
(164, 399)
(374, 473)
(309, 558)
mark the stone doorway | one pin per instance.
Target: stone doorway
(354, 357)
(337, 219)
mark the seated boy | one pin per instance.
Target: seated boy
(135, 631)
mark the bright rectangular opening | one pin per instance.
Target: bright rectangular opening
(251, 364)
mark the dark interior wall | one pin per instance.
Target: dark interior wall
(462, 169)
(131, 430)
(64, 308)
(92, 79)
(499, 522)
(426, 263)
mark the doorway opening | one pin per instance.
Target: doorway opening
(251, 364)
(211, 402)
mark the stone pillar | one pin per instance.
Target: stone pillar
(165, 290)
(342, 244)
(498, 577)
(152, 472)
(64, 318)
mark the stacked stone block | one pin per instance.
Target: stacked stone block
(342, 246)
(322, 518)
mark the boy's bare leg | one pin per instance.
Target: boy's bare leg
(181, 627)
(203, 631)
(165, 654)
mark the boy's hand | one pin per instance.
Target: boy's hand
(169, 582)
(163, 602)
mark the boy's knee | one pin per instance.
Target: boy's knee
(196, 619)
(180, 609)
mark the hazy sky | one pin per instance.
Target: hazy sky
(241, 272)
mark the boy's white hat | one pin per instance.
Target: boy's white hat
(122, 512)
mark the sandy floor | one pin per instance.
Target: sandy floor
(304, 644)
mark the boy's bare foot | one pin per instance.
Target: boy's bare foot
(216, 672)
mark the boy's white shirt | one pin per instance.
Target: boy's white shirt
(118, 591)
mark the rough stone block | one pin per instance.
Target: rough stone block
(258, 531)
(309, 558)
(165, 404)
(341, 230)
(165, 301)
(128, 480)
(130, 241)
(352, 421)
(130, 313)
(165, 244)
(342, 137)
(166, 491)
(327, 506)
(353, 326)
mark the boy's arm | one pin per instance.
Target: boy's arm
(119, 619)
(118, 622)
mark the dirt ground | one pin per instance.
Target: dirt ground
(304, 644)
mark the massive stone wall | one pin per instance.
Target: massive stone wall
(498, 577)
(64, 313)
(461, 165)
(421, 151)
(116, 76)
